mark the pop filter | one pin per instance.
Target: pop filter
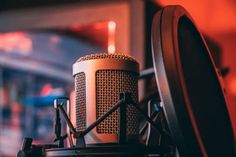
(190, 87)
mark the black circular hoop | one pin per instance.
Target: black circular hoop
(190, 87)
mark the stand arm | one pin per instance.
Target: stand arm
(67, 119)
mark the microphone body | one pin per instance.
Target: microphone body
(99, 79)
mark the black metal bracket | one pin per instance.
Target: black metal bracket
(59, 107)
(123, 110)
(125, 100)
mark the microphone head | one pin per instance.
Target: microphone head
(99, 79)
(118, 56)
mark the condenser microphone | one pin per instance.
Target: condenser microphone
(99, 80)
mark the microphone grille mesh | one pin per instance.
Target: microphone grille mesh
(109, 83)
(106, 56)
(80, 100)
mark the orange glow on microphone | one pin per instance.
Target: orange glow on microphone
(72, 108)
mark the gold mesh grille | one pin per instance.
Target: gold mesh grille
(109, 83)
(106, 56)
(80, 101)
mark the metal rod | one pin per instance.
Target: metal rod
(153, 115)
(68, 130)
(149, 125)
(57, 128)
(146, 72)
(122, 124)
(70, 125)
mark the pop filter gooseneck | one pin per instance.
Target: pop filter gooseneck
(190, 87)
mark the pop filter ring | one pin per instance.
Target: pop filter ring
(182, 113)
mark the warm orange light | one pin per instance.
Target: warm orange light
(111, 48)
(111, 37)
(112, 25)
(16, 42)
(97, 25)
(210, 16)
(232, 86)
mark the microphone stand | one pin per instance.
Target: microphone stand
(122, 104)
(125, 100)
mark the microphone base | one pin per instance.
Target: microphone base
(123, 150)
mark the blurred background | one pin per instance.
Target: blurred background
(40, 40)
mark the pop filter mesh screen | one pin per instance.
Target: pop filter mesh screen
(203, 89)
